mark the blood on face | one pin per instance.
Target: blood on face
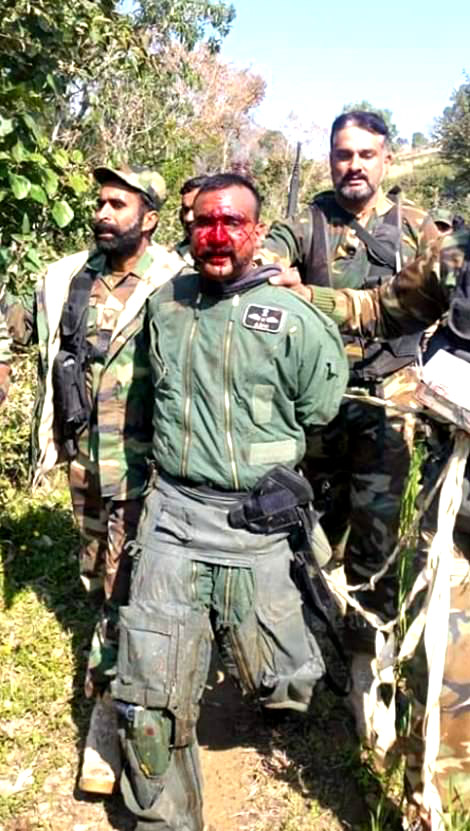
(224, 232)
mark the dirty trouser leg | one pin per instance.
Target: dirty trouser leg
(262, 631)
(380, 459)
(163, 662)
(122, 521)
(106, 527)
(91, 518)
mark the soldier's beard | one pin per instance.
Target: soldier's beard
(122, 243)
(353, 193)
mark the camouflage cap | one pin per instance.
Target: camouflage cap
(139, 178)
(443, 216)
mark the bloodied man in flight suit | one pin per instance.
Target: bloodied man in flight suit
(240, 369)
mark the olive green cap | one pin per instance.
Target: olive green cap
(443, 216)
(141, 179)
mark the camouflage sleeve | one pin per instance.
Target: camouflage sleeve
(410, 301)
(288, 241)
(418, 232)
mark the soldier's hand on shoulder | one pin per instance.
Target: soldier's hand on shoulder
(290, 279)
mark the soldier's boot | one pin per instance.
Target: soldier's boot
(101, 766)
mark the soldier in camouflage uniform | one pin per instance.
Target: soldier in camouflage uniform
(363, 456)
(105, 291)
(188, 192)
(434, 288)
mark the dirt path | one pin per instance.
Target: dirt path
(294, 775)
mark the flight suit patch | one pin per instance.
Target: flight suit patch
(263, 318)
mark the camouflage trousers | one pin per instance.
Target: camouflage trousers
(358, 466)
(195, 578)
(106, 527)
(452, 777)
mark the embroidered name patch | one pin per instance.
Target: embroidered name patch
(263, 318)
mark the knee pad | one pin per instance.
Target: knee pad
(163, 662)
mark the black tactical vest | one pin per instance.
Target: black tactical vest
(71, 404)
(381, 358)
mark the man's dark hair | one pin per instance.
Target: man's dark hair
(373, 122)
(220, 181)
(192, 184)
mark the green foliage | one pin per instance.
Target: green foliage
(435, 185)
(453, 132)
(70, 74)
(187, 22)
(419, 140)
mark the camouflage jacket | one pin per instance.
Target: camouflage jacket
(120, 433)
(289, 242)
(416, 297)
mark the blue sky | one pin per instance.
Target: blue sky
(317, 56)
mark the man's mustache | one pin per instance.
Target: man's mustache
(216, 252)
(353, 177)
(105, 228)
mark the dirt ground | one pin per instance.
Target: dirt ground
(293, 774)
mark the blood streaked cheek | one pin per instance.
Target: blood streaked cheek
(210, 236)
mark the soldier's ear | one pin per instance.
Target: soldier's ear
(150, 221)
(260, 231)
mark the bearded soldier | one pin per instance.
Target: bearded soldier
(92, 408)
(355, 237)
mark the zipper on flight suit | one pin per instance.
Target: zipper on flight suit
(188, 391)
(243, 667)
(227, 394)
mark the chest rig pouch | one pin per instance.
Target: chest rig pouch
(72, 407)
(369, 362)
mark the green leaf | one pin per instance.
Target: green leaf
(20, 185)
(61, 158)
(19, 152)
(3, 193)
(77, 156)
(38, 158)
(51, 81)
(78, 183)
(6, 126)
(62, 213)
(25, 225)
(33, 126)
(32, 256)
(50, 181)
(38, 194)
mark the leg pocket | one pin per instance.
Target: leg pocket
(163, 663)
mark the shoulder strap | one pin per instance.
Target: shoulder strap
(382, 252)
(317, 267)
